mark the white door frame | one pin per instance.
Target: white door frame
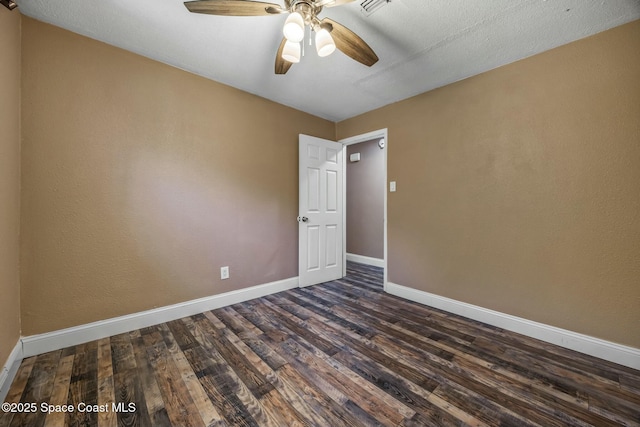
(381, 133)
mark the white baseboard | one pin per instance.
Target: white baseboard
(376, 262)
(50, 341)
(9, 370)
(623, 355)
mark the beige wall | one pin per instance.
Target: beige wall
(519, 189)
(365, 200)
(140, 181)
(9, 182)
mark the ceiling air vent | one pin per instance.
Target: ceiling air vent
(370, 6)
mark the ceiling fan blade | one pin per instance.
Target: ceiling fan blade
(332, 3)
(282, 66)
(350, 43)
(233, 7)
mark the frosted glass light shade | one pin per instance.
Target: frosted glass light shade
(291, 52)
(294, 27)
(324, 43)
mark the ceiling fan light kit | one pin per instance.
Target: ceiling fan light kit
(291, 52)
(302, 13)
(324, 43)
(294, 27)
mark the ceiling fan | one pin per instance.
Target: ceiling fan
(329, 33)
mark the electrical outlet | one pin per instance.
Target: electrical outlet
(224, 273)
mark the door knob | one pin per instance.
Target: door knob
(303, 219)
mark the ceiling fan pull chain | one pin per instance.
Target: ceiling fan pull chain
(303, 43)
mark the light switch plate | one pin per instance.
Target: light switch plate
(392, 186)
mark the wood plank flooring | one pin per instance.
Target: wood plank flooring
(338, 354)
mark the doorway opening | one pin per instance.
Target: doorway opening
(365, 199)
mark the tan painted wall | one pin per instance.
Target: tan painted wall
(140, 181)
(519, 189)
(9, 182)
(365, 200)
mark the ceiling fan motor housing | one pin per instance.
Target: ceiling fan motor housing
(308, 9)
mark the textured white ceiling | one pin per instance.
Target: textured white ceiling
(422, 44)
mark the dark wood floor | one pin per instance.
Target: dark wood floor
(337, 354)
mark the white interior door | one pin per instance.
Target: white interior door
(321, 251)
